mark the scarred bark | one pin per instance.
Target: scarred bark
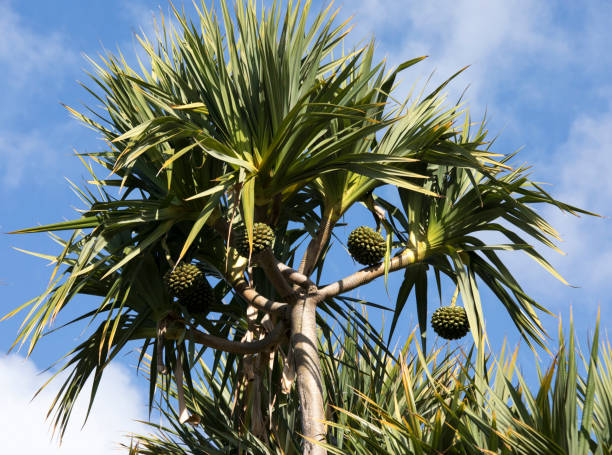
(308, 370)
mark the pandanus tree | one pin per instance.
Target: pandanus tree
(234, 152)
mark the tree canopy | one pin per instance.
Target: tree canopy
(261, 118)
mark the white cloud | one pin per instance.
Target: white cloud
(35, 156)
(584, 165)
(142, 16)
(578, 171)
(147, 21)
(17, 155)
(34, 65)
(26, 53)
(521, 53)
(497, 38)
(22, 422)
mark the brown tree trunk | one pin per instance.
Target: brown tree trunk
(308, 370)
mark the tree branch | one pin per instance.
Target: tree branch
(267, 258)
(257, 300)
(268, 262)
(236, 347)
(176, 332)
(315, 247)
(364, 276)
(294, 276)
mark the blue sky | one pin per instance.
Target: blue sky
(541, 70)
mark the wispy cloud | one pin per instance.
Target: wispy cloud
(31, 156)
(119, 401)
(34, 65)
(578, 173)
(582, 167)
(149, 22)
(141, 16)
(520, 53)
(26, 54)
(35, 155)
(498, 39)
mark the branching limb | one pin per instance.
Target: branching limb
(178, 331)
(379, 213)
(294, 277)
(266, 259)
(257, 300)
(268, 262)
(364, 276)
(316, 245)
(235, 347)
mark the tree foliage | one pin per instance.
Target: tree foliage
(261, 117)
(409, 402)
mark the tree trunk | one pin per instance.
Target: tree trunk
(308, 369)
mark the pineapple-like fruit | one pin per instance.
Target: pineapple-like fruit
(183, 279)
(366, 245)
(450, 322)
(200, 300)
(188, 283)
(263, 238)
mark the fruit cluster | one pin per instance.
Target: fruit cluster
(366, 245)
(263, 238)
(189, 285)
(450, 322)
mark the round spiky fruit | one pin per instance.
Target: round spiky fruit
(184, 279)
(200, 299)
(450, 322)
(263, 238)
(366, 245)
